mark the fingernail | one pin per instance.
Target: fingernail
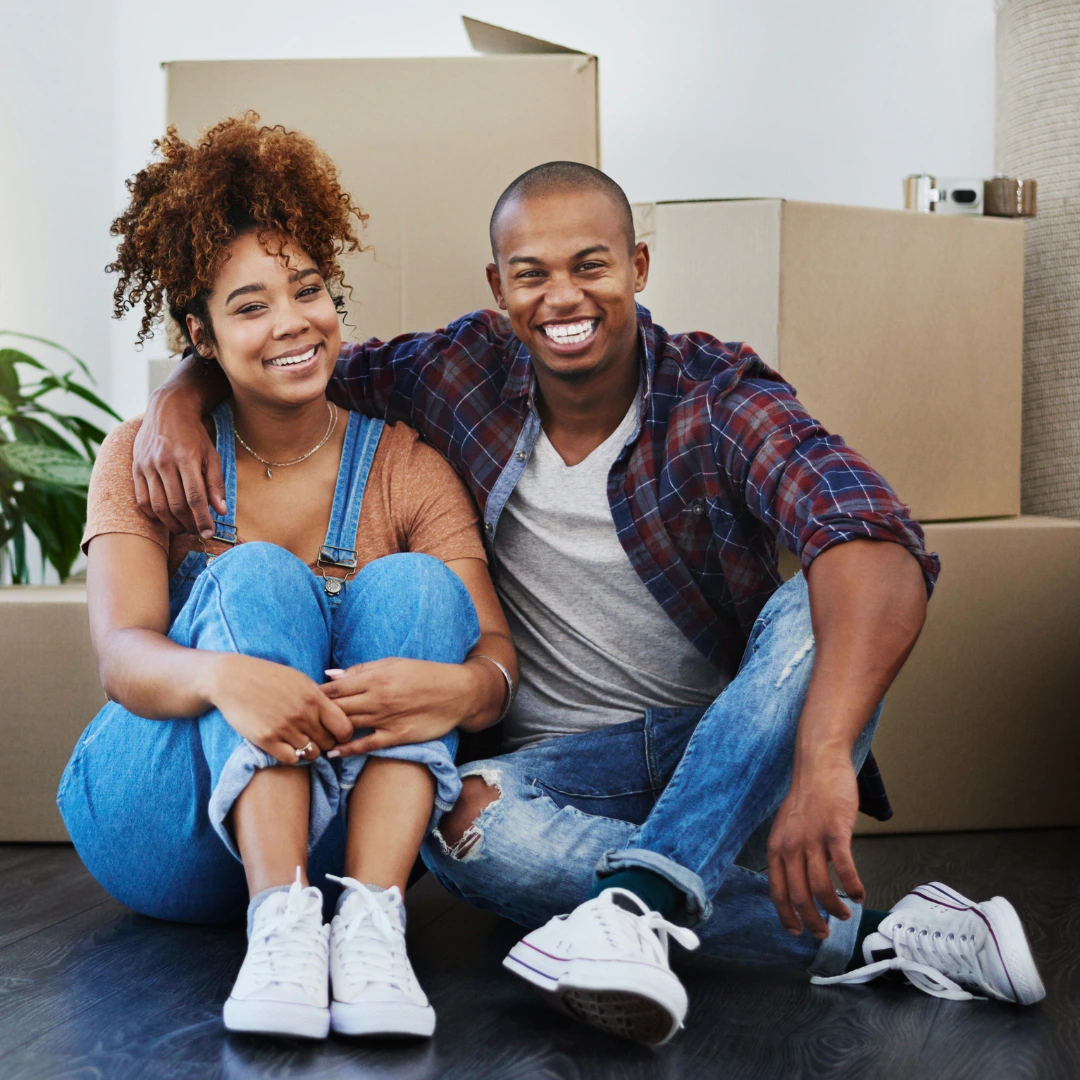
(334, 672)
(794, 933)
(207, 534)
(333, 753)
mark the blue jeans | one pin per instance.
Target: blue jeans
(687, 793)
(146, 802)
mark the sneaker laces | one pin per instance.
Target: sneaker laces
(283, 941)
(372, 947)
(647, 932)
(927, 958)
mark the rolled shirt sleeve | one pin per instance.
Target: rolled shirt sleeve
(808, 487)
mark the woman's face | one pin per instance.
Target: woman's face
(276, 329)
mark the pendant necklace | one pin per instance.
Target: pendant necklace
(271, 465)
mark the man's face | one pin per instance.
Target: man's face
(567, 279)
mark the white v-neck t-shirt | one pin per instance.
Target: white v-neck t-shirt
(594, 646)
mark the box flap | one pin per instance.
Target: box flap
(488, 38)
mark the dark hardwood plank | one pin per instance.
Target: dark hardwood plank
(42, 887)
(100, 992)
(15, 854)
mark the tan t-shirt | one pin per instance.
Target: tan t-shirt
(413, 501)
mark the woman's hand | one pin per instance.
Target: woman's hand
(276, 707)
(404, 701)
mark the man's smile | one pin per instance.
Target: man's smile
(570, 337)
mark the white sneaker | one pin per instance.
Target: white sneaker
(375, 989)
(607, 966)
(949, 946)
(282, 985)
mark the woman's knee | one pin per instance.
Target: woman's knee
(276, 574)
(421, 579)
(260, 600)
(410, 605)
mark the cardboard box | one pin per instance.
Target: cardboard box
(902, 332)
(51, 692)
(425, 146)
(981, 729)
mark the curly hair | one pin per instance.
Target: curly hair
(187, 207)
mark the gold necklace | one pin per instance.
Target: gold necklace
(271, 465)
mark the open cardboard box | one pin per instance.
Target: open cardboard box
(901, 332)
(424, 145)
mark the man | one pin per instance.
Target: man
(677, 705)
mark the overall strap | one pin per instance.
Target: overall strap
(357, 454)
(225, 527)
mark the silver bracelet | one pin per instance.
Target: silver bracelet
(510, 688)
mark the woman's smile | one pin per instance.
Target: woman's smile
(298, 361)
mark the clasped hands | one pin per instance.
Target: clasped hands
(393, 701)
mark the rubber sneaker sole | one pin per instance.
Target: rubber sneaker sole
(382, 1018)
(1007, 931)
(277, 1018)
(631, 1000)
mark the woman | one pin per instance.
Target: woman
(226, 770)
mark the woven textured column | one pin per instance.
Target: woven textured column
(1038, 137)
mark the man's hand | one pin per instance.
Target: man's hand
(812, 830)
(867, 606)
(176, 468)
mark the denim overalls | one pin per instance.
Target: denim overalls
(146, 802)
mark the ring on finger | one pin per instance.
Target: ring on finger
(302, 750)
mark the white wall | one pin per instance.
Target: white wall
(834, 101)
(56, 175)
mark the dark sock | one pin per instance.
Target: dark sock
(655, 891)
(869, 921)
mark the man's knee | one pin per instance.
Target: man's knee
(458, 828)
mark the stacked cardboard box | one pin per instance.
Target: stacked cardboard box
(903, 333)
(50, 693)
(900, 331)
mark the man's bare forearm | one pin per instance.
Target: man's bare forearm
(175, 466)
(867, 605)
(194, 385)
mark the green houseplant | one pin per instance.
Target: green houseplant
(45, 458)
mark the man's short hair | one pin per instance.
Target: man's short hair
(555, 177)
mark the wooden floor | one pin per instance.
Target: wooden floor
(89, 990)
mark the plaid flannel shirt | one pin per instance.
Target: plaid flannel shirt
(726, 464)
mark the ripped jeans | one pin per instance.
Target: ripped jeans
(687, 793)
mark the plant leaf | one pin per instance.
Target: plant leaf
(52, 345)
(30, 429)
(90, 435)
(9, 376)
(20, 572)
(56, 518)
(72, 387)
(35, 461)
